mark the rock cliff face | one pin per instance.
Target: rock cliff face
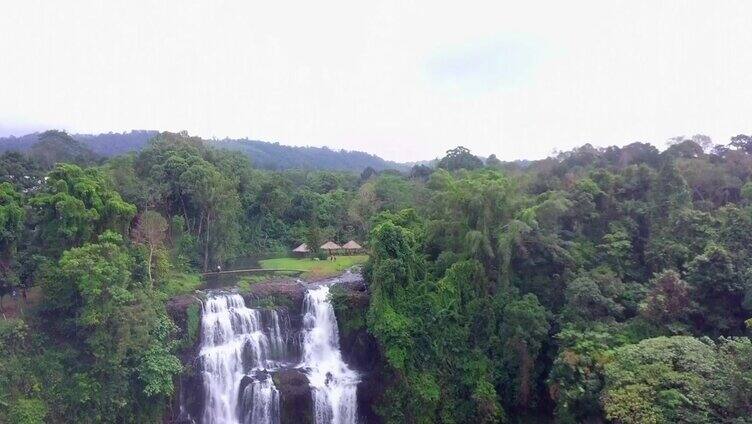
(189, 400)
(279, 294)
(295, 403)
(359, 349)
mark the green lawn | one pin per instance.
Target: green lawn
(181, 283)
(315, 269)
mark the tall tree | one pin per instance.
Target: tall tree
(74, 206)
(12, 217)
(151, 230)
(115, 323)
(460, 158)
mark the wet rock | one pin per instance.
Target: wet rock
(189, 402)
(286, 294)
(295, 402)
(370, 391)
(355, 285)
(359, 348)
(190, 399)
(177, 308)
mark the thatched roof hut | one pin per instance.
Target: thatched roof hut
(353, 246)
(330, 246)
(303, 248)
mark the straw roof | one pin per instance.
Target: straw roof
(303, 248)
(330, 245)
(352, 244)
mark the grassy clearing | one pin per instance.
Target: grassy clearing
(313, 268)
(181, 283)
(245, 282)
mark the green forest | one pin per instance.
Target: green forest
(597, 285)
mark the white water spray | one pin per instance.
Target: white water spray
(260, 401)
(239, 342)
(333, 383)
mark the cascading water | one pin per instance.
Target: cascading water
(333, 383)
(242, 348)
(238, 345)
(260, 401)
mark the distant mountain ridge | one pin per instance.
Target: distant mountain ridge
(263, 154)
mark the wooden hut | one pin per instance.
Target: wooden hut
(302, 250)
(330, 247)
(352, 247)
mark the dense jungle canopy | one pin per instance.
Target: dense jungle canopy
(598, 285)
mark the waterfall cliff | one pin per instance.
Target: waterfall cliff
(252, 364)
(333, 383)
(236, 343)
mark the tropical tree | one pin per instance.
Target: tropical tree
(76, 205)
(151, 230)
(677, 379)
(12, 217)
(459, 158)
(96, 297)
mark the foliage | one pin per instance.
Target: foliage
(22, 172)
(151, 230)
(351, 317)
(56, 147)
(12, 217)
(668, 303)
(192, 324)
(677, 379)
(74, 206)
(499, 292)
(459, 158)
(98, 299)
(27, 411)
(180, 283)
(576, 377)
(245, 282)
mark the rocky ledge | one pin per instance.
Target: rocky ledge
(295, 403)
(286, 294)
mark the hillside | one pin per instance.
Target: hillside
(276, 156)
(56, 146)
(265, 155)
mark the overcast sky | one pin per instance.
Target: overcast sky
(406, 80)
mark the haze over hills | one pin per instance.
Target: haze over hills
(273, 156)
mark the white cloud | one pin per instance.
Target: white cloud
(403, 79)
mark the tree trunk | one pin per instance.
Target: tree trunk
(151, 255)
(185, 214)
(206, 244)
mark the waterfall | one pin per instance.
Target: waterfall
(333, 383)
(237, 344)
(242, 348)
(260, 401)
